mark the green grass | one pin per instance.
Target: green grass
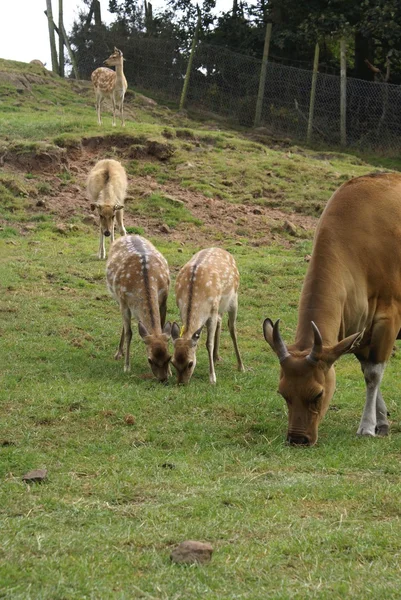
(321, 522)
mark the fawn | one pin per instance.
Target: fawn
(206, 287)
(111, 84)
(107, 186)
(138, 278)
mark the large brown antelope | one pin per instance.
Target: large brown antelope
(206, 288)
(107, 186)
(138, 278)
(350, 302)
(111, 84)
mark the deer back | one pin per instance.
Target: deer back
(138, 278)
(206, 284)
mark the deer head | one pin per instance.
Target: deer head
(157, 351)
(107, 214)
(184, 358)
(307, 380)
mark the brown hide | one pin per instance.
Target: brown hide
(353, 285)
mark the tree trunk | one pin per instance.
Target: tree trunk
(60, 39)
(52, 37)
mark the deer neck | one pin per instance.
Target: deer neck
(120, 78)
(322, 301)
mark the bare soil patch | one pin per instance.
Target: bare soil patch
(221, 220)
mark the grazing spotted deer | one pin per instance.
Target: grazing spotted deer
(106, 187)
(138, 278)
(206, 288)
(111, 84)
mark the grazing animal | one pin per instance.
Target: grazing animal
(37, 62)
(350, 302)
(111, 84)
(107, 187)
(138, 278)
(206, 287)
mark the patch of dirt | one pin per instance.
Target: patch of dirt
(221, 220)
(49, 160)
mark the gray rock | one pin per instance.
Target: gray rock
(191, 552)
(35, 476)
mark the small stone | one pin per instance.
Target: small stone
(61, 228)
(164, 228)
(89, 220)
(290, 228)
(167, 465)
(307, 258)
(257, 211)
(35, 476)
(129, 419)
(239, 244)
(180, 250)
(192, 552)
(41, 202)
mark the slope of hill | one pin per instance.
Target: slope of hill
(135, 467)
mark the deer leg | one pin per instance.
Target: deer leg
(373, 374)
(98, 108)
(102, 246)
(216, 356)
(163, 311)
(211, 332)
(119, 218)
(232, 318)
(126, 313)
(114, 111)
(382, 424)
(120, 351)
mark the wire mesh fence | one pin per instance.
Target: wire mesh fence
(226, 83)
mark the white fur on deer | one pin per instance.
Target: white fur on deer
(107, 186)
(138, 278)
(111, 84)
(206, 288)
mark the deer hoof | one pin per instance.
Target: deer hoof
(382, 430)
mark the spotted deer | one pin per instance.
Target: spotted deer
(206, 288)
(107, 187)
(111, 84)
(350, 303)
(138, 278)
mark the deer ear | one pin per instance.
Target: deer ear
(143, 332)
(175, 331)
(118, 206)
(196, 336)
(94, 205)
(167, 329)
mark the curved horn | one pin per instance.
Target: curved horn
(317, 347)
(279, 344)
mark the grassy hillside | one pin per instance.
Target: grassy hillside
(135, 467)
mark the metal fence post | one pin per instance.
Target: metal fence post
(313, 94)
(343, 93)
(262, 80)
(191, 59)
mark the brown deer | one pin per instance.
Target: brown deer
(350, 302)
(138, 278)
(107, 187)
(111, 84)
(206, 287)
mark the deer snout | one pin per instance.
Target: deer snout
(107, 233)
(298, 440)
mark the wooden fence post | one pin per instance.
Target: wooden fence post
(52, 37)
(262, 80)
(313, 94)
(60, 39)
(343, 93)
(191, 59)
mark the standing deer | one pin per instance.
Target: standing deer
(138, 278)
(111, 84)
(106, 187)
(350, 302)
(206, 288)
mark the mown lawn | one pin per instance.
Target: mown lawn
(135, 467)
